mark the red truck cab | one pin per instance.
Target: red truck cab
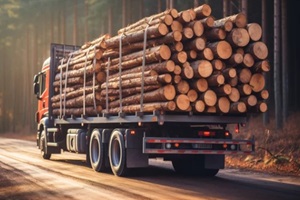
(41, 90)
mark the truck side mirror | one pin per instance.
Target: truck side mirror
(36, 86)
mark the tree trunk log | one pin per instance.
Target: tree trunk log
(197, 44)
(209, 97)
(234, 96)
(182, 87)
(197, 28)
(200, 84)
(206, 54)
(239, 20)
(199, 106)
(147, 107)
(202, 11)
(223, 90)
(258, 50)
(261, 66)
(79, 111)
(248, 60)
(238, 107)
(182, 102)
(244, 75)
(223, 105)
(221, 49)
(202, 68)
(215, 34)
(238, 37)
(192, 95)
(128, 91)
(257, 82)
(254, 31)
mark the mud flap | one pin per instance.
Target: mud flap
(214, 161)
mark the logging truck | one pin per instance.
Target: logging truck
(156, 90)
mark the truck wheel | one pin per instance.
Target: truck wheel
(117, 154)
(193, 167)
(97, 151)
(43, 146)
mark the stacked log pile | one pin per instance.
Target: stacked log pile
(172, 61)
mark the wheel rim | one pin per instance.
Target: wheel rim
(95, 150)
(115, 153)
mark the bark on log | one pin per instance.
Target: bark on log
(244, 89)
(152, 32)
(262, 95)
(258, 50)
(176, 79)
(70, 81)
(238, 107)
(239, 20)
(217, 64)
(128, 91)
(166, 93)
(229, 73)
(202, 68)
(74, 67)
(197, 44)
(187, 33)
(176, 26)
(238, 37)
(233, 81)
(254, 31)
(226, 26)
(221, 49)
(215, 80)
(191, 54)
(187, 72)
(197, 28)
(250, 100)
(184, 17)
(133, 75)
(78, 101)
(202, 11)
(147, 107)
(136, 82)
(257, 82)
(223, 90)
(79, 111)
(215, 34)
(208, 22)
(235, 59)
(261, 66)
(180, 57)
(176, 47)
(177, 70)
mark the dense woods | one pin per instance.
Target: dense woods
(28, 27)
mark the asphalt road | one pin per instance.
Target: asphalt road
(25, 175)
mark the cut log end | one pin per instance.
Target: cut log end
(257, 82)
(182, 102)
(165, 52)
(255, 31)
(224, 104)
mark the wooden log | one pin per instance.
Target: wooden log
(192, 95)
(187, 33)
(239, 50)
(234, 96)
(229, 73)
(197, 28)
(176, 26)
(192, 14)
(161, 68)
(239, 20)
(101, 77)
(221, 49)
(199, 106)
(180, 57)
(261, 66)
(238, 107)
(215, 34)
(223, 105)
(75, 93)
(88, 70)
(202, 68)
(235, 59)
(182, 87)
(199, 85)
(78, 101)
(191, 54)
(91, 111)
(149, 58)
(238, 37)
(75, 66)
(187, 71)
(202, 11)
(254, 31)
(211, 109)
(152, 32)
(217, 64)
(176, 47)
(215, 80)
(233, 81)
(262, 95)
(128, 91)
(223, 90)
(244, 89)
(208, 22)
(184, 17)
(136, 82)
(177, 70)
(147, 107)
(96, 43)
(250, 100)
(197, 44)
(133, 75)
(248, 60)
(70, 81)
(176, 79)
(209, 97)
(258, 50)
(244, 75)
(206, 54)
(260, 107)
(73, 61)
(257, 82)
(182, 102)
(226, 26)
(172, 12)
(166, 93)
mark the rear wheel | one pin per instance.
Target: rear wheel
(44, 154)
(97, 151)
(117, 154)
(193, 166)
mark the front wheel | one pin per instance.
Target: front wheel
(44, 153)
(117, 154)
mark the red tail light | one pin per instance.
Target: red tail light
(207, 133)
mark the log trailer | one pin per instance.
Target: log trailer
(195, 143)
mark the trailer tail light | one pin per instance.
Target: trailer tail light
(176, 145)
(132, 132)
(237, 128)
(206, 133)
(227, 134)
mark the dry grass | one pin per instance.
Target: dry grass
(277, 151)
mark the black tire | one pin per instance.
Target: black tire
(97, 151)
(43, 146)
(117, 153)
(193, 167)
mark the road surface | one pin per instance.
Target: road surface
(25, 175)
